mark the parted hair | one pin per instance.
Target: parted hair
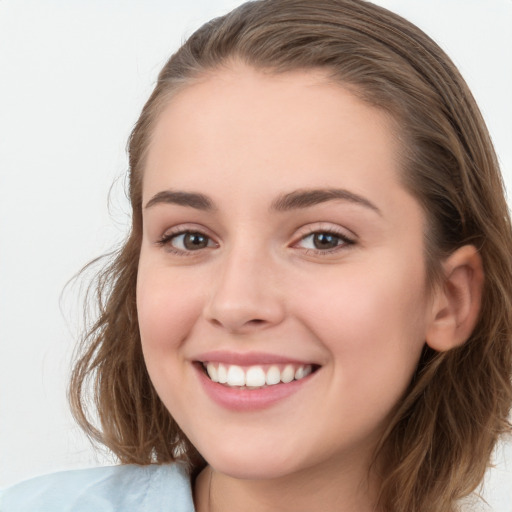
(439, 440)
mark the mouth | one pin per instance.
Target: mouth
(245, 382)
(255, 377)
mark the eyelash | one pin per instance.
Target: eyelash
(344, 241)
(166, 239)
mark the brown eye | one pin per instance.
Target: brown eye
(186, 241)
(194, 241)
(325, 240)
(189, 241)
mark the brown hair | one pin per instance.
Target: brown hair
(439, 441)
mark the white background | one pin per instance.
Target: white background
(73, 78)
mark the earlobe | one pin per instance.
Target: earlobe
(457, 300)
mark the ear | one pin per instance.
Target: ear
(456, 303)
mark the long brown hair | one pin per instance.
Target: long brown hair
(440, 438)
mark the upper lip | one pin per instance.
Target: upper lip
(247, 358)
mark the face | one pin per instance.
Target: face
(281, 291)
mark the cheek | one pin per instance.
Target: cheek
(362, 302)
(373, 323)
(167, 307)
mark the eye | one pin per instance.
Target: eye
(186, 241)
(324, 241)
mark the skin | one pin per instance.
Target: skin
(360, 311)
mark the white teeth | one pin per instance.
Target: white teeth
(273, 376)
(222, 374)
(212, 372)
(255, 376)
(236, 376)
(288, 374)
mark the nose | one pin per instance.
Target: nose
(246, 295)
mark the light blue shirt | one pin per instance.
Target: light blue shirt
(130, 488)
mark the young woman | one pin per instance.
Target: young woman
(312, 309)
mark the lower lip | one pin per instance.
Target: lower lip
(238, 399)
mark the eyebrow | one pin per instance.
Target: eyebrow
(191, 199)
(298, 199)
(311, 197)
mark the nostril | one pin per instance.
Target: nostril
(243, 325)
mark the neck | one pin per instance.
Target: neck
(326, 489)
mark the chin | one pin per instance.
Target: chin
(254, 466)
(242, 470)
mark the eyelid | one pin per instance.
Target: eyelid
(347, 237)
(169, 234)
(325, 227)
(186, 227)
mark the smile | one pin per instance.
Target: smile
(255, 376)
(253, 381)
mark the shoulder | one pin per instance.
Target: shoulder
(128, 488)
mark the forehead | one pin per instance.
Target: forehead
(240, 123)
